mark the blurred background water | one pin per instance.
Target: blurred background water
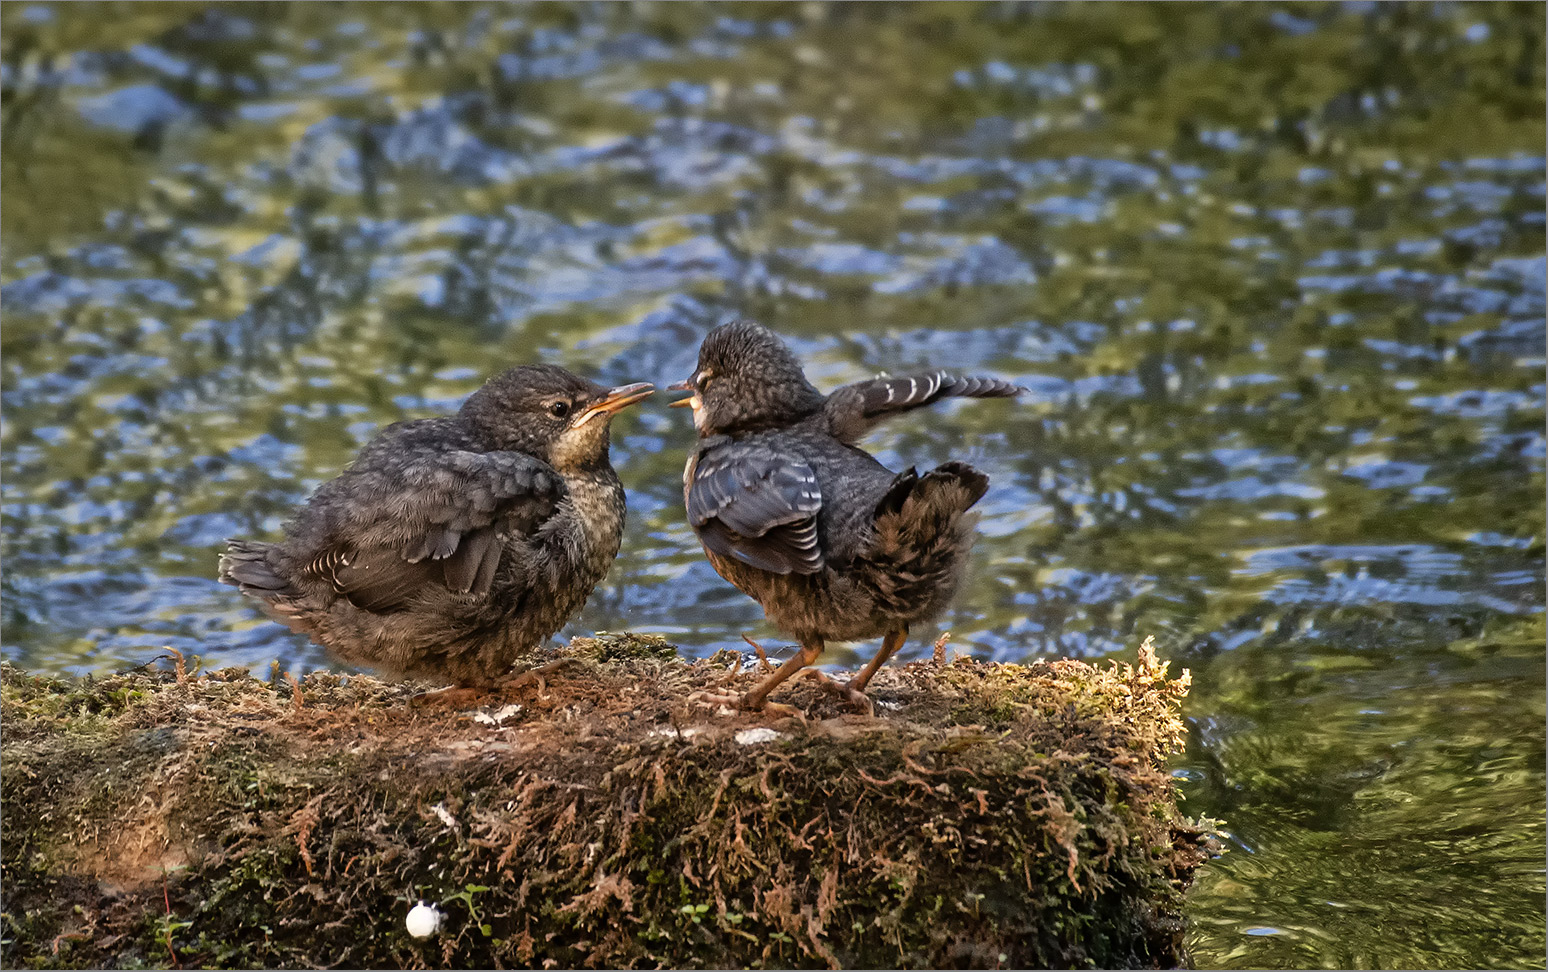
(1274, 274)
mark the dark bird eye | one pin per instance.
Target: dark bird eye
(559, 409)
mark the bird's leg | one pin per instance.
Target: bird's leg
(537, 674)
(449, 696)
(754, 700)
(890, 646)
(757, 699)
(854, 689)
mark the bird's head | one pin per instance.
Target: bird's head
(746, 380)
(547, 412)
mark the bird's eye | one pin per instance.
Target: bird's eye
(559, 409)
(704, 381)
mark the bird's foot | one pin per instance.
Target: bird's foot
(846, 691)
(716, 700)
(764, 666)
(780, 709)
(451, 695)
(538, 675)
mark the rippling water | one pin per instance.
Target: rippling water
(1273, 274)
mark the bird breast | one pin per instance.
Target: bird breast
(597, 505)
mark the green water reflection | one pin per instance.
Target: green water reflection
(1274, 274)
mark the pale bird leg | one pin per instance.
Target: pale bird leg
(754, 701)
(845, 690)
(890, 646)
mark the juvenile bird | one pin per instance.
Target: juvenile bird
(833, 545)
(452, 546)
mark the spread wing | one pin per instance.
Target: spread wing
(757, 505)
(435, 519)
(856, 409)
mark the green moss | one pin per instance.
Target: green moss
(996, 815)
(607, 646)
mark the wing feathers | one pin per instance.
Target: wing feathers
(856, 409)
(463, 568)
(757, 505)
(434, 522)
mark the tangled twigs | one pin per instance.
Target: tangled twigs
(938, 653)
(764, 666)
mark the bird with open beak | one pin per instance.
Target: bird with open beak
(832, 544)
(453, 546)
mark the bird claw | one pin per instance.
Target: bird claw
(782, 710)
(716, 700)
(846, 691)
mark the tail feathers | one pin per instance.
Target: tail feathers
(256, 569)
(891, 503)
(247, 565)
(924, 530)
(916, 506)
(963, 477)
(855, 409)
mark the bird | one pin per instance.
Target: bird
(453, 546)
(831, 543)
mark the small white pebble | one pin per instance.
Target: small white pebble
(423, 920)
(446, 816)
(762, 734)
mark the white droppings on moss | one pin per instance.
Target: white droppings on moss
(762, 734)
(498, 717)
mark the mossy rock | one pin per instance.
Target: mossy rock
(990, 815)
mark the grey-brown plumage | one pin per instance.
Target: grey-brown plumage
(832, 544)
(452, 546)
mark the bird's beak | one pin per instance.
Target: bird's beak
(616, 398)
(685, 385)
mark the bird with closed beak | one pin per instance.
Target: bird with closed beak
(833, 545)
(453, 546)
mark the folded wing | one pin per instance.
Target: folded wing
(758, 505)
(441, 520)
